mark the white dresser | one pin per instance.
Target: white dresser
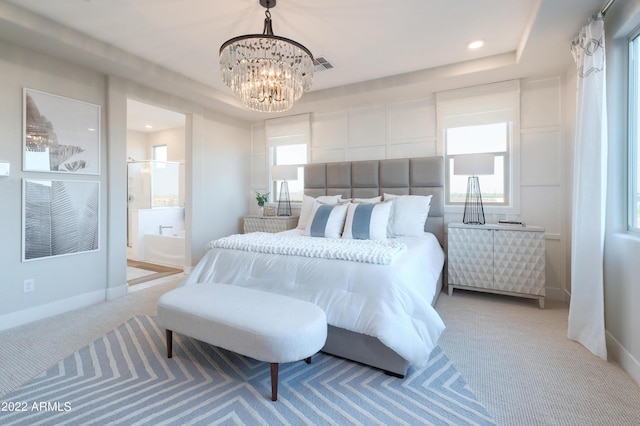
(256, 223)
(503, 259)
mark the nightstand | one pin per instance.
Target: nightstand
(493, 258)
(257, 223)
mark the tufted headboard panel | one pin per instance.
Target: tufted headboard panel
(365, 179)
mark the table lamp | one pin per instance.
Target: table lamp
(284, 173)
(473, 165)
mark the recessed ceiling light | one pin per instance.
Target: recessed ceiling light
(148, 126)
(476, 44)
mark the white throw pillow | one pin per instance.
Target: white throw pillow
(307, 207)
(367, 221)
(408, 214)
(326, 220)
(372, 200)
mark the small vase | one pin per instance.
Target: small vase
(261, 210)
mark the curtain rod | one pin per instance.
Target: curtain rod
(606, 7)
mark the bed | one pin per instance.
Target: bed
(378, 293)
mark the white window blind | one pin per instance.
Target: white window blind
(292, 130)
(473, 106)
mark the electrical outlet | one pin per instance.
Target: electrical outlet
(29, 285)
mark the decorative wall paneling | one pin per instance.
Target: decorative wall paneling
(408, 129)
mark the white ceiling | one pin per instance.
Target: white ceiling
(379, 48)
(146, 118)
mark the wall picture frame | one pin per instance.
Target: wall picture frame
(60, 135)
(59, 217)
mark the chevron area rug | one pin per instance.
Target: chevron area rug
(125, 378)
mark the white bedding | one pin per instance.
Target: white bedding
(382, 252)
(389, 302)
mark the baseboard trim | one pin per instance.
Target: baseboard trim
(117, 292)
(553, 294)
(621, 355)
(47, 310)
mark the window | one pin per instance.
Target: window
(634, 131)
(159, 152)
(484, 139)
(481, 120)
(290, 155)
(288, 139)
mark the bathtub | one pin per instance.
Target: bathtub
(164, 249)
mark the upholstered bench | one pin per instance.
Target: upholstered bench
(265, 326)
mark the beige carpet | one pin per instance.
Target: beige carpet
(515, 357)
(519, 362)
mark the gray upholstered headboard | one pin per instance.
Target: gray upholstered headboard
(365, 179)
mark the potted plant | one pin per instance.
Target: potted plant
(261, 199)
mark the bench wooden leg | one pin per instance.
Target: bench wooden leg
(169, 343)
(274, 381)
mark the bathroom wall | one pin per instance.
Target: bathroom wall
(140, 144)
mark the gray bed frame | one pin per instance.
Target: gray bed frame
(366, 179)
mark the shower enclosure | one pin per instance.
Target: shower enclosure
(155, 208)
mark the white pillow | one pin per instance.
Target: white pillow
(367, 221)
(307, 207)
(372, 200)
(408, 214)
(326, 220)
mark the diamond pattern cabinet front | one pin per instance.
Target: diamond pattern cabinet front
(254, 223)
(470, 257)
(497, 258)
(518, 261)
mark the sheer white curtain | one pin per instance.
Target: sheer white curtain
(586, 312)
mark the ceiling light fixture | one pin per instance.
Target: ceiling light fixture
(268, 73)
(476, 44)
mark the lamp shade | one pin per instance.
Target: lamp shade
(473, 164)
(284, 172)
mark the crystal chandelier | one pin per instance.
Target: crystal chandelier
(268, 73)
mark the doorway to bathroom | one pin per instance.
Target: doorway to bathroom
(155, 192)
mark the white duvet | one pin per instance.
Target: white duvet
(382, 252)
(390, 302)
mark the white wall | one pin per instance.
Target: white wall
(137, 146)
(140, 144)
(541, 165)
(259, 162)
(173, 139)
(396, 130)
(64, 281)
(220, 165)
(217, 159)
(408, 129)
